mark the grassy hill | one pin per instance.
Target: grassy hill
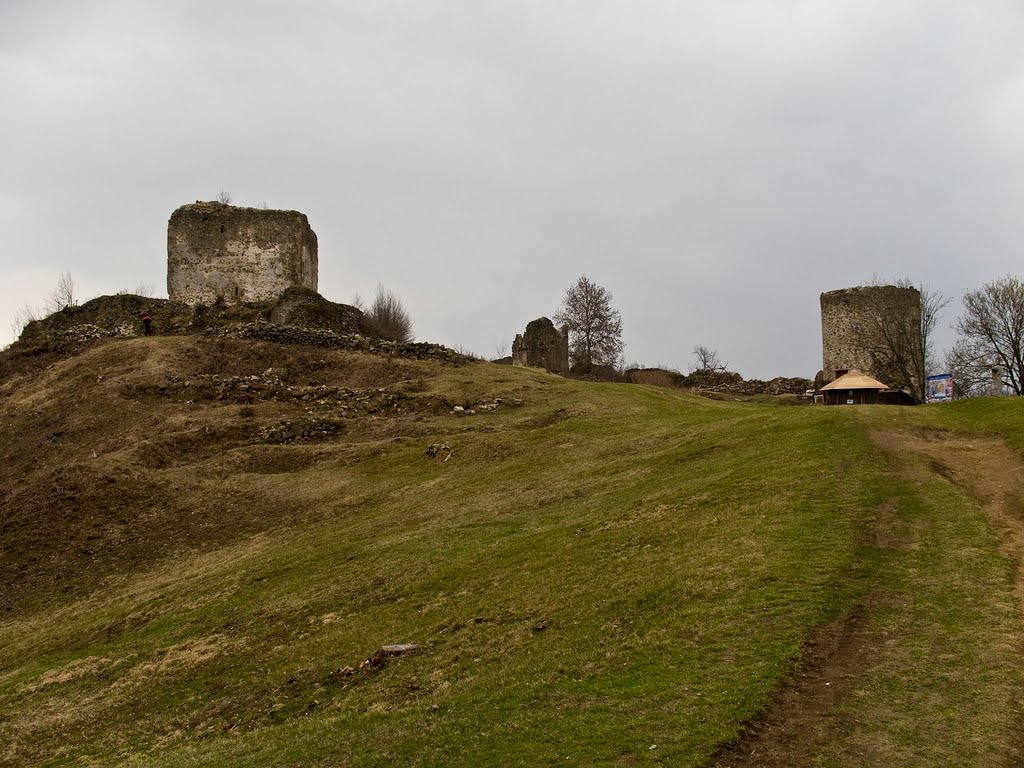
(206, 543)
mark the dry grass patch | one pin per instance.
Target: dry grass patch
(602, 568)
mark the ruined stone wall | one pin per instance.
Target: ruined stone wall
(860, 326)
(217, 251)
(542, 346)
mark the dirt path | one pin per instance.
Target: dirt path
(986, 468)
(800, 711)
(802, 714)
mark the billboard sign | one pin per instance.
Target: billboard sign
(939, 388)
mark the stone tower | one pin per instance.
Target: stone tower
(217, 251)
(875, 329)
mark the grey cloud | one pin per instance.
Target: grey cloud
(715, 165)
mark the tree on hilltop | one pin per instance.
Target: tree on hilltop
(992, 331)
(905, 343)
(971, 364)
(63, 294)
(707, 359)
(594, 325)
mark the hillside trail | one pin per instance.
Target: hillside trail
(801, 716)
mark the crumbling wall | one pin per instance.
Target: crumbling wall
(542, 346)
(218, 252)
(875, 329)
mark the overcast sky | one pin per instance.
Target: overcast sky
(715, 165)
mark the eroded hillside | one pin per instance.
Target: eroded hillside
(207, 542)
(135, 449)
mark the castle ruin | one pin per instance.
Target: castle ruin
(874, 329)
(222, 252)
(542, 346)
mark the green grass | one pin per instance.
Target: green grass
(604, 569)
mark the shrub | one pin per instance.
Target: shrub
(388, 315)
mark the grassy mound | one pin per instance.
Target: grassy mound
(208, 541)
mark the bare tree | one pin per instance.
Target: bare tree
(595, 326)
(707, 359)
(388, 313)
(932, 305)
(21, 318)
(61, 297)
(63, 294)
(904, 353)
(224, 198)
(501, 348)
(992, 329)
(971, 364)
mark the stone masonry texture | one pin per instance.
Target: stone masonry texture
(218, 252)
(542, 346)
(850, 334)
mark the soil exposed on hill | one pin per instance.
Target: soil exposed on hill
(177, 430)
(802, 715)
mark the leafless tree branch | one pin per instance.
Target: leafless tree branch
(992, 329)
(707, 359)
(594, 325)
(63, 294)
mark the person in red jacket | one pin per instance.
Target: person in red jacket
(147, 321)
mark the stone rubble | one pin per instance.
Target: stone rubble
(387, 651)
(728, 382)
(493, 405)
(269, 387)
(287, 431)
(80, 334)
(436, 449)
(354, 342)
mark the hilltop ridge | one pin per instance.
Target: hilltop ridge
(210, 541)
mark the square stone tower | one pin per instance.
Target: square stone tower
(217, 251)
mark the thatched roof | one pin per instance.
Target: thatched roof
(854, 379)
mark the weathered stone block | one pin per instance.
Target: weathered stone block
(222, 252)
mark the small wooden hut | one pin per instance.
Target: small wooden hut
(856, 388)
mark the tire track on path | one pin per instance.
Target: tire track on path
(802, 715)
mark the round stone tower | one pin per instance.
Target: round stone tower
(875, 329)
